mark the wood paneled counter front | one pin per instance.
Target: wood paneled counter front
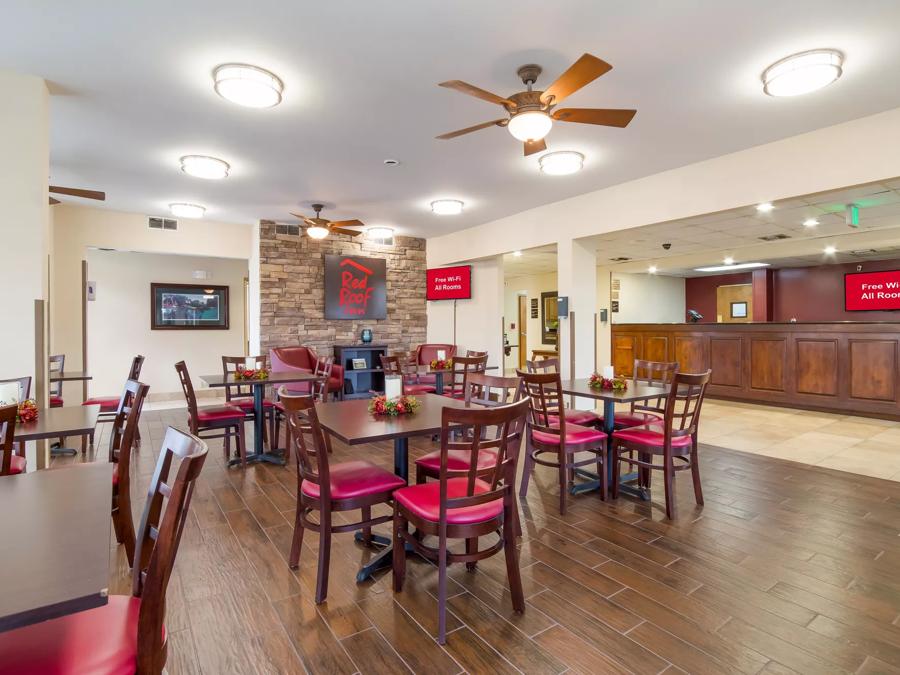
(851, 368)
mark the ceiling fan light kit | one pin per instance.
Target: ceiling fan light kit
(319, 228)
(201, 166)
(317, 231)
(561, 163)
(247, 85)
(447, 207)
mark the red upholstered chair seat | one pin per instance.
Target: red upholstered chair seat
(457, 460)
(419, 388)
(581, 417)
(101, 641)
(16, 465)
(625, 420)
(106, 403)
(247, 403)
(56, 401)
(574, 434)
(219, 413)
(355, 479)
(452, 392)
(651, 437)
(424, 500)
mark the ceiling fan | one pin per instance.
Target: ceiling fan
(319, 228)
(76, 192)
(530, 117)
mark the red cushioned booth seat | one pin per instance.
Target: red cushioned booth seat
(423, 500)
(350, 480)
(56, 401)
(457, 460)
(106, 403)
(574, 434)
(101, 641)
(303, 360)
(652, 437)
(219, 413)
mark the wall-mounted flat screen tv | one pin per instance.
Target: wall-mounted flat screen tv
(449, 283)
(872, 291)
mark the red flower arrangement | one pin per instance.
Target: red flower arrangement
(441, 364)
(28, 411)
(618, 383)
(404, 405)
(251, 374)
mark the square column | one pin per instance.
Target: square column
(577, 280)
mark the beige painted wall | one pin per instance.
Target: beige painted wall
(532, 286)
(119, 320)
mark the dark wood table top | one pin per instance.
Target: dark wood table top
(73, 420)
(55, 533)
(69, 376)
(637, 391)
(351, 421)
(221, 380)
(426, 369)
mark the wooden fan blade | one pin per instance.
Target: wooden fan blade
(54, 201)
(477, 92)
(532, 147)
(468, 130)
(341, 230)
(346, 223)
(297, 215)
(76, 192)
(584, 71)
(606, 117)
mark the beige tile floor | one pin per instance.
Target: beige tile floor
(870, 447)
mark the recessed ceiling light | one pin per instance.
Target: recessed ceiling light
(561, 163)
(317, 231)
(531, 125)
(247, 85)
(447, 207)
(830, 250)
(517, 254)
(728, 268)
(391, 162)
(380, 232)
(765, 207)
(802, 73)
(810, 222)
(652, 269)
(202, 166)
(187, 210)
(728, 260)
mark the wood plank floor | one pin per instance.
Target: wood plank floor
(787, 568)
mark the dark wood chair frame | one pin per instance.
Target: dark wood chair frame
(682, 418)
(7, 433)
(657, 374)
(544, 394)
(463, 366)
(224, 429)
(309, 441)
(122, 440)
(400, 364)
(245, 392)
(134, 373)
(56, 388)
(547, 365)
(510, 419)
(24, 395)
(318, 391)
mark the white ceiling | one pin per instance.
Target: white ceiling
(540, 260)
(132, 93)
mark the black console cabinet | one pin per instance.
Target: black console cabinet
(360, 382)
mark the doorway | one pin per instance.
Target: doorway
(523, 330)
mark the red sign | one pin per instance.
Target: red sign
(449, 283)
(355, 287)
(872, 291)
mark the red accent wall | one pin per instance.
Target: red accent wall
(700, 292)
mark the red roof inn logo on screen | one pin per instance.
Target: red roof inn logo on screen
(450, 283)
(355, 289)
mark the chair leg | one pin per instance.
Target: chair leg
(512, 560)
(420, 475)
(324, 556)
(471, 547)
(367, 531)
(527, 470)
(265, 431)
(126, 527)
(442, 591)
(272, 435)
(616, 472)
(242, 443)
(297, 542)
(669, 482)
(601, 465)
(84, 439)
(695, 474)
(563, 481)
(226, 443)
(399, 554)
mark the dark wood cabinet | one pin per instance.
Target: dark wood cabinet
(361, 382)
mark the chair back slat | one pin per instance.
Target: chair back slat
(7, 433)
(56, 363)
(463, 366)
(24, 386)
(137, 363)
(544, 394)
(125, 429)
(323, 370)
(547, 365)
(230, 364)
(682, 412)
(155, 556)
(492, 390)
(657, 374)
(188, 388)
(308, 443)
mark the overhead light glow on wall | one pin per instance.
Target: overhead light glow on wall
(447, 207)
(810, 222)
(201, 166)
(531, 125)
(517, 254)
(729, 261)
(830, 250)
(802, 73)
(728, 268)
(187, 210)
(765, 207)
(561, 163)
(247, 85)
(652, 269)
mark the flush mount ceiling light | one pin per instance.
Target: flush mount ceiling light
(765, 207)
(728, 268)
(187, 210)
(247, 85)
(447, 207)
(561, 163)
(802, 73)
(531, 125)
(830, 250)
(810, 222)
(317, 231)
(202, 166)
(729, 261)
(380, 233)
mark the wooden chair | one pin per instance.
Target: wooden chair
(56, 364)
(318, 390)
(675, 439)
(127, 635)
(553, 436)
(463, 366)
(122, 439)
(10, 463)
(241, 395)
(658, 374)
(473, 352)
(109, 405)
(409, 371)
(586, 418)
(465, 506)
(330, 489)
(221, 421)
(24, 384)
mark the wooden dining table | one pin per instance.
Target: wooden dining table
(76, 420)
(635, 392)
(352, 423)
(69, 376)
(56, 536)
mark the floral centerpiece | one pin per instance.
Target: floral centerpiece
(28, 411)
(251, 374)
(618, 383)
(441, 364)
(381, 405)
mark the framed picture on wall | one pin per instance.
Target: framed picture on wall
(738, 310)
(188, 307)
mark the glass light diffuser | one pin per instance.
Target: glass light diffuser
(447, 207)
(317, 232)
(765, 207)
(201, 166)
(187, 210)
(561, 163)
(802, 73)
(531, 125)
(247, 85)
